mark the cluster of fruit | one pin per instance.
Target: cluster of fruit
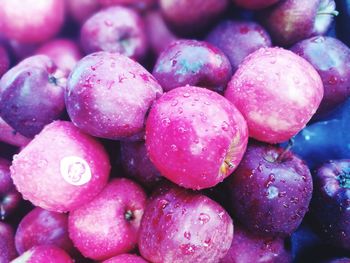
(235, 149)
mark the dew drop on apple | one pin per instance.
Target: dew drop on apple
(187, 235)
(203, 218)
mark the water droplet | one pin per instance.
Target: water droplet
(207, 242)
(166, 122)
(203, 218)
(187, 249)
(186, 95)
(225, 126)
(173, 147)
(272, 192)
(333, 80)
(163, 203)
(187, 235)
(174, 103)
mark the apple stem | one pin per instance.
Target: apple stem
(331, 13)
(229, 164)
(287, 149)
(129, 215)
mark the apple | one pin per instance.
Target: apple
(192, 62)
(195, 137)
(10, 136)
(238, 39)
(331, 58)
(125, 258)
(140, 4)
(291, 21)
(270, 190)
(4, 60)
(182, 226)
(65, 53)
(80, 10)
(9, 197)
(109, 224)
(32, 95)
(115, 29)
(42, 227)
(41, 254)
(255, 4)
(330, 204)
(31, 21)
(7, 243)
(269, 90)
(61, 169)
(109, 95)
(249, 248)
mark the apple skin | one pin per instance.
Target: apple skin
(32, 95)
(182, 226)
(125, 258)
(269, 90)
(10, 136)
(7, 243)
(238, 39)
(192, 62)
(65, 53)
(330, 204)
(331, 58)
(108, 95)
(4, 61)
(31, 21)
(109, 224)
(115, 29)
(139, 4)
(80, 10)
(195, 137)
(255, 4)
(270, 190)
(9, 196)
(249, 248)
(191, 16)
(159, 35)
(137, 165)
(71, 168)
(42, 227)
(291, 21)
(44, 254)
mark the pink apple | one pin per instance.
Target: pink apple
(195, 137)
(269, 89)
(7, 243)
(125, 258)
(42, 227)
(44, 254)
(182, 226)
(109, 224)
(61, 168)
(31, 21)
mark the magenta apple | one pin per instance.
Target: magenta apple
(42, 227)
(41, 254)
(182, 226)
(125, 258)
(70, 168)
(7, 243)
(269, 90)
(195, 137)
(31, 21)
(65, 53)
(109, 224)
(255, 4)
(192, 62)
(115, 29)
(108, 95)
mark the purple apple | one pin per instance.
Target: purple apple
(80, 10)
(195, 137)
(31, 21)
(269, 90)
(22, 50)
(115, 29)
(70, 168)
(189, 16)
(137, 165)
(330, 208)
(331, 58)
(109, 224)
(255, 4)
(65, 53)
(42, 227)
(192, 62)
(9, 197)
(238, 39)
(44, 254)
(291, 21)
(32, 95)
(125, 258)
(10, 136)
(4, 61)
(7, 243)
(249, 248)
(140, 4)
(182, 226)
(109, 95)
(270, 190)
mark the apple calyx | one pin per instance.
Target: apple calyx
(344, 178)
(275, 157)
(129, 215)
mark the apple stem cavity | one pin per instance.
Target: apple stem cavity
(129, 216)
(287, 149)
(344, 178)
(53, 80)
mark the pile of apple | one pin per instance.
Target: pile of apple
(234, 149)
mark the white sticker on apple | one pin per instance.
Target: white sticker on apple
(75, 170)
